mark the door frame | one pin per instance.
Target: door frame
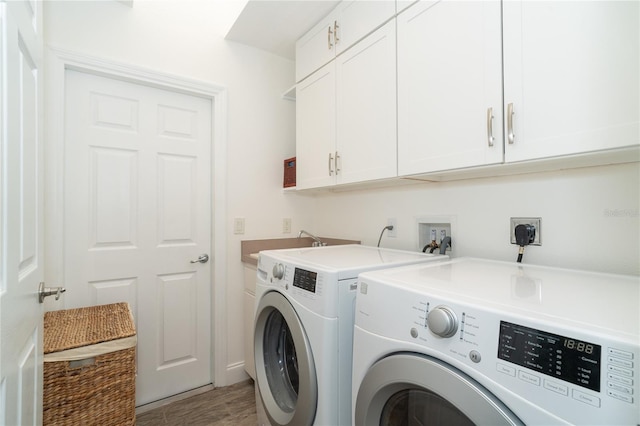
(57, 62)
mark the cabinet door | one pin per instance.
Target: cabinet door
(366, 108)
(571, 73)
(403, 4)
(316, 129)
(449, 86)
(315, 48)
(357, 18)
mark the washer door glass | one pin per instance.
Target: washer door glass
(408, 389)
(285, 370)
(412, 406)
(281, 362)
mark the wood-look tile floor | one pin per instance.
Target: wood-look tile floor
(233, 405)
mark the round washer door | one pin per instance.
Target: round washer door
(285, 370)
(418, 389)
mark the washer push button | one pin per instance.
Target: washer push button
(620, 375)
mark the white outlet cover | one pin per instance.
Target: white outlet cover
(393, 233)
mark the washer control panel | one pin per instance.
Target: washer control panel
(564, 358)
(577, 374)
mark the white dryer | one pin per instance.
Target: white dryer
(472, 341)
(304, 329)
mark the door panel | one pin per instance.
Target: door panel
(138, 209)
(21, 230)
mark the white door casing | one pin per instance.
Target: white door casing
(21, 213)
(137, 201)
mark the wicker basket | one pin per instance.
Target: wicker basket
(89, 366)
(289, 172)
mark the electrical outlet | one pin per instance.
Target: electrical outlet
(238, 225)
(393, 233)
(286, 225)
(535, 221)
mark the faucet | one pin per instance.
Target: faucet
(316, 241)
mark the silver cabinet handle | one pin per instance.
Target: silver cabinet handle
(337, 168)
(330, 163)
(203, 258)
(510, 135)
(336, 39)
(329, 34)
(49, 291)
(490, 126)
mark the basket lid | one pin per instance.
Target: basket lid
(73, 328)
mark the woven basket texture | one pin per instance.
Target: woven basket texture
(73, 328)
(102, 392)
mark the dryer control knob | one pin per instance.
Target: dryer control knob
(278, 271)
(442, 321)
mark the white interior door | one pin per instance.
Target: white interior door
(137, 192)
(21, 231)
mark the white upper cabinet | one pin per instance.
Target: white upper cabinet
(349, 22)
(366, 108)
(346, 116)
(517, 85)
(316, 129)
(449, 86)
(316, 48)
(403, 4)
(571, 77)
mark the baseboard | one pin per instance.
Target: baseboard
(235, 374)
(179, 397)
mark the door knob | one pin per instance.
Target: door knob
(203, 258)
(49, 291)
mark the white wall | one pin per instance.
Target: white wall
(185, 38)
(590, 216)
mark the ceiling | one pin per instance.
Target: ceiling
(275, 25)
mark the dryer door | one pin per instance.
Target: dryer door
(285, 370)
(414, 389)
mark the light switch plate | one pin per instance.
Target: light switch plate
(238, 225)
(286, 225)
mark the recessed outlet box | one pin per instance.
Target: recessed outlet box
(535, 221)
(435, 228)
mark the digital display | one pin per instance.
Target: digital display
(305, 280)
(572, 360)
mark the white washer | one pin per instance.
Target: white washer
(304, 328)
(472, 341)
